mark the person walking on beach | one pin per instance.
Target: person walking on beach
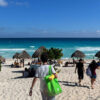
(80, 70)
(93, 66)
(41, 72)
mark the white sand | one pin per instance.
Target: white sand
(13, 88)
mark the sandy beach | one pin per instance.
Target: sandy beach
(13, 87)
(35, 33)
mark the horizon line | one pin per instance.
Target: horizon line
(48, 37)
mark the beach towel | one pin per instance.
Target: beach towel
(52, 85)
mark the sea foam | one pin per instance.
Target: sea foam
(13, 49)
(88, 48)
(32, 46)
(90, 54)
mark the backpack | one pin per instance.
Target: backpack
(88, 72)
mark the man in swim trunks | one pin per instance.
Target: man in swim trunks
(80, 70)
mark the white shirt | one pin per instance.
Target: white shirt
(41, 72)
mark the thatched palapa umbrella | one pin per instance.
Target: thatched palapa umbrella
(78, 54)
(16, 56)
(97, 54)
(38, 52)
(24, 55)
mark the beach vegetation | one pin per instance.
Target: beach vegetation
(55, 53)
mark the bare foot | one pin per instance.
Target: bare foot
(92, 87)
(79, 84)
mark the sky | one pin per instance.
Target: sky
(49, 18)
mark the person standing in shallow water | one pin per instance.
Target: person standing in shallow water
(41, 72)
(80, 70)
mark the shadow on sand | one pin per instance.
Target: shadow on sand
(73, 84)
(21, 77)
(17, 71)
(7, 65)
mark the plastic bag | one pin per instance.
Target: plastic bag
(88, 72)
(53, 85)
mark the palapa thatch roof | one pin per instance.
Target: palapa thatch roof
(16, 56)
(97, 54)
(2, 59)
(38, 52)
(78, 54)
(24, 55)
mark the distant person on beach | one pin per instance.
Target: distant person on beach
(98, 62)
(41, 72)
(0, 65)
(74, 62)
(21, 62)
(80, 70)
(93, 66)
(38, 62)
(15, 62)
(12, 65)
(32, 62)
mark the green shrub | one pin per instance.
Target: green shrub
(55, 53)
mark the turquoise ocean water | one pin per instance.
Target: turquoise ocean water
(89, 46)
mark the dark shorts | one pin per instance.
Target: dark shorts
(80, 75)
(93, 76)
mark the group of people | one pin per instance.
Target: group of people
(18, 64)
(80, 71)
(30, 72)
(43, 71)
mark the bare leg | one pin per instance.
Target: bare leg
(92, 83)
(79, 81)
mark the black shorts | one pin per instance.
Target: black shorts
(80, 75)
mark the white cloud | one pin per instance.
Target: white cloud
(98, 31)
(3, 3)
(22, 3)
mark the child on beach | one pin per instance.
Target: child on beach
(80, 70)
(93, 66)
(41, 72)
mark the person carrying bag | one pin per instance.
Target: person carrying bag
(52, 84)
(42, 73)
